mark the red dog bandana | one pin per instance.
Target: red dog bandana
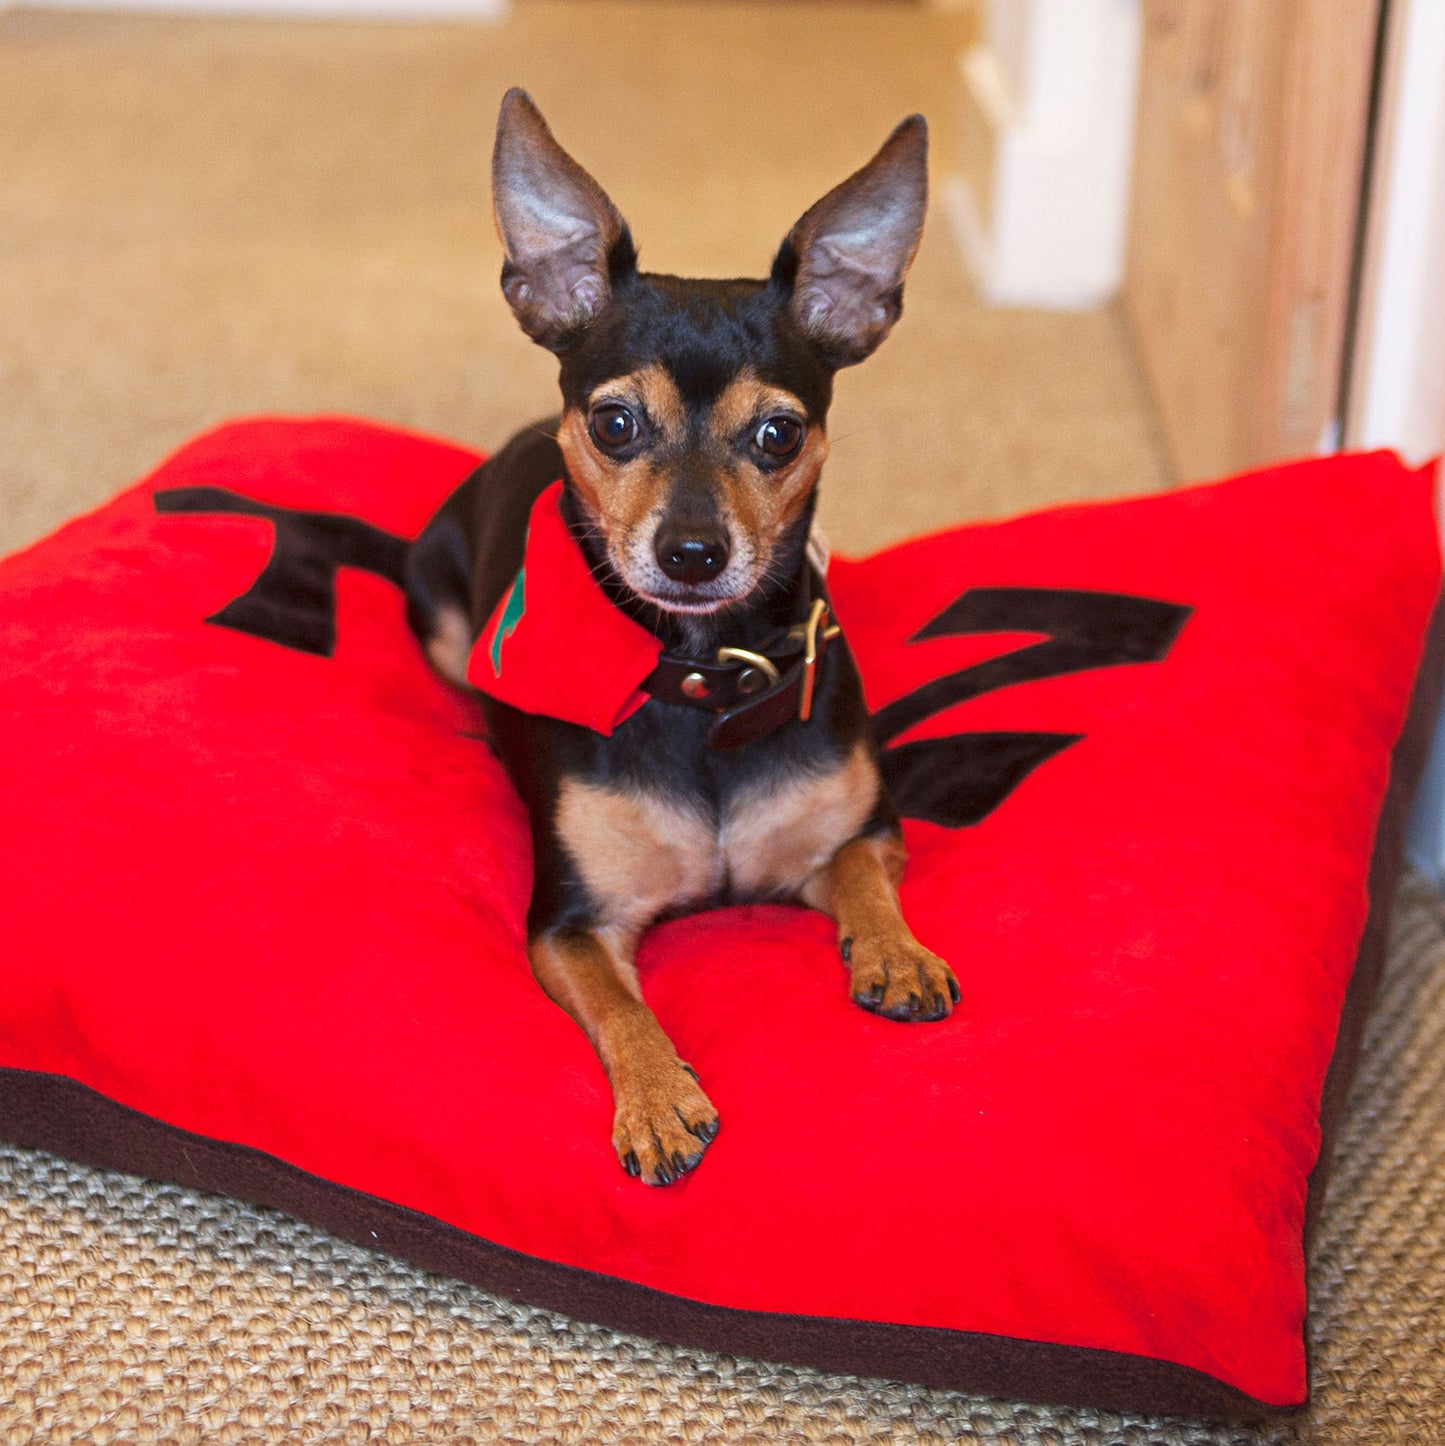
(553, 613)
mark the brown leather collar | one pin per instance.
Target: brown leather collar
(753, 692)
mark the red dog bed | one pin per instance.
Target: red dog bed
(264, 890)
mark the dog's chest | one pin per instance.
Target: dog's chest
(642, 853)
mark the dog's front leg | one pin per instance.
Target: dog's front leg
(663, 1121)
(892, 973)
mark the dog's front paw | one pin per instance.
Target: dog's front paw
(663, 1123)
(895, 976)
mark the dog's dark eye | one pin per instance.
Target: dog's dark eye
(612, 426)
(779, 438)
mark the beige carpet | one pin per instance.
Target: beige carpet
(203, 218)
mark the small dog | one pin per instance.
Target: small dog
(631, 589)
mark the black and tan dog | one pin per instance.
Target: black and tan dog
(689, 449)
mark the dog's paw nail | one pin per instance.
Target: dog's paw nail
(939, 1009)
(914, 1004)
(704, 1130)
(631, 1164)
(690, 1070)
(845, 948)
(953, 989)
(870, 998)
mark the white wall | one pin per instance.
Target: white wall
(1399, 398)
(1055, 81)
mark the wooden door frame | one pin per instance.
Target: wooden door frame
(1250, 138)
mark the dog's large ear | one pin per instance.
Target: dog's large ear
(846, 259)
(557, 227)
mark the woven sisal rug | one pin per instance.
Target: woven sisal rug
(137, 1312)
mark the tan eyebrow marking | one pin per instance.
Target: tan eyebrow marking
(747, 399)
(658, 394)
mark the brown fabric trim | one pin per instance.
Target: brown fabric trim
(50, 1112)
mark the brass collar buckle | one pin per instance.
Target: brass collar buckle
(816, 631)
(752, 691)
(759, 671)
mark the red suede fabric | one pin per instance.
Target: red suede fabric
(527, 651)
(277, 898)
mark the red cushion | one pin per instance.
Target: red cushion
(275, 897)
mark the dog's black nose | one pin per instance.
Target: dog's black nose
(691, 556)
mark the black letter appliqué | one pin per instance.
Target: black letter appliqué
(958, 780)
(293, 601)
(955, 781)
